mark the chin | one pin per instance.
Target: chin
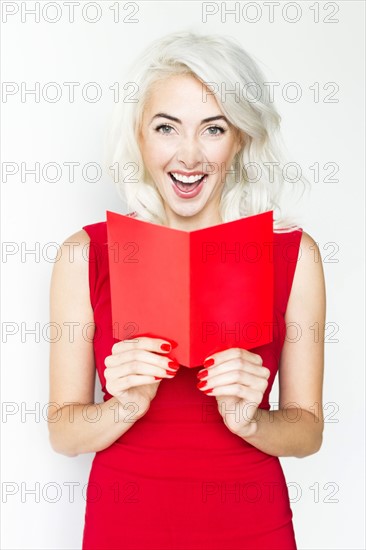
(186, 211)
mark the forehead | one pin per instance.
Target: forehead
(184, 93)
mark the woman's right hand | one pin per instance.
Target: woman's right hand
(134, 370)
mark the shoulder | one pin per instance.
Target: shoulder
(302, 244)
(308, 286)
(309, 254)
(307, 240)
(79, 242)
(72, 265)
(96, 231)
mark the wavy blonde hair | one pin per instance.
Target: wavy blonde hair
(256, 181)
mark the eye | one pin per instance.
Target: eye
(222, 130)
(217, 133)
(163, 126)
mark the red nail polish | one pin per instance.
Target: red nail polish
(207, 391)
(202, 384)
(202, 374)
(171, 371)
(173, 365)
(157, 378)
(166, 347)
(209, 362)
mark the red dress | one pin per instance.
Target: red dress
(178, 479)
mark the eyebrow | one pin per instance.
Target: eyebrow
(209, 119)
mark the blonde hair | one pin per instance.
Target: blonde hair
(256, 182)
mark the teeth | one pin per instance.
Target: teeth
(185, 179)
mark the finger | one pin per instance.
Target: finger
(141, 370)
(128, 382)
(119, 386)
(235, 377)
(234, 353)
(142, 342)
(245, 393)
(144, 370)
(234, 364)
(138, 355)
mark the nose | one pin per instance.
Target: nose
(189, 153)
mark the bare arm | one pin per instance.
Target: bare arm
(296, 429)
(72, 428)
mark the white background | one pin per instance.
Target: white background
(326, 488)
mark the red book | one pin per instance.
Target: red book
(205, 290)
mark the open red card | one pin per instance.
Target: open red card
(205, 290)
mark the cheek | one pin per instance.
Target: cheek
(222, 154)
(230, 153)
(156, 155)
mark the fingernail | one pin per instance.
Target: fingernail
(209, 362)
(202, 374)
(207, 391)
(157, 378)
(202, 384)
(171, 371)
(173, 365)
(165, 347)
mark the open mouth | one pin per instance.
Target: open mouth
(187, 187)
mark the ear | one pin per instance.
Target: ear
(139, 136)
(240, 141)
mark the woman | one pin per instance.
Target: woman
(174, 467)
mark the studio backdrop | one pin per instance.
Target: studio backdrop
(62, 74)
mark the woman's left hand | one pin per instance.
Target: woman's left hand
(238, 380)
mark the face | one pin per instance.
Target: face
(185, 134)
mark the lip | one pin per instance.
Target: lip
(197, 173)
(190, 194)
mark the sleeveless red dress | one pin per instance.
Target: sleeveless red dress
(178, 479)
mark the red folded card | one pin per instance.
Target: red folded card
(205, 290)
